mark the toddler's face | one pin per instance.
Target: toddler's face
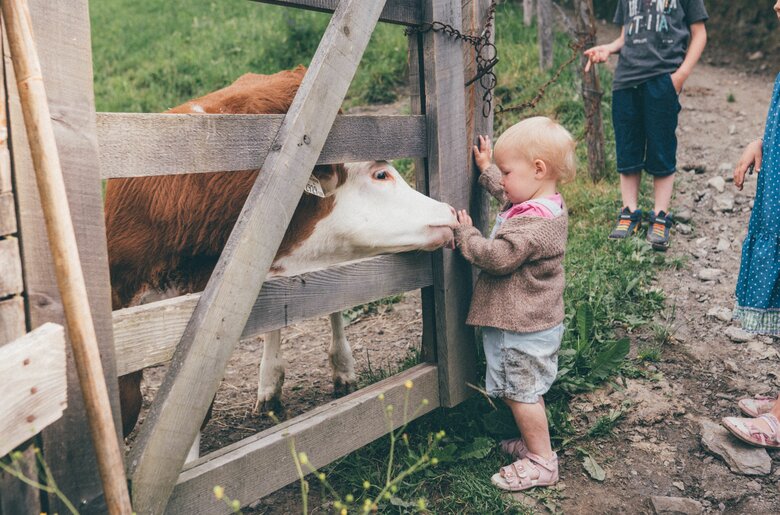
(518, 176)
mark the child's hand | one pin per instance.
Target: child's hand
(751, 157)
(597, 54)
(464, 218)
(482, 153)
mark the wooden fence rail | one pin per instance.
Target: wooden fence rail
(405, 12)
(162, 144)
(147, 335)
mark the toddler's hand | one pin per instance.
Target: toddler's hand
(464, 218)
(482, 153)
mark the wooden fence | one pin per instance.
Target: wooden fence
(437, 135)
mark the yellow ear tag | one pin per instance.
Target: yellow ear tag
(313, 187)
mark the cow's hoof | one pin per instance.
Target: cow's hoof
(342, 387)
(268, 406)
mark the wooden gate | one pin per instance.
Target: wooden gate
(199, 332)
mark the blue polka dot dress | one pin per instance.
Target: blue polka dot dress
(758, 287)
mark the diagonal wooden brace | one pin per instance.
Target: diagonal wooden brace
(216, 325)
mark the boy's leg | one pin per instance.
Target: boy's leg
(531, 419)
(629, 189)
(663, 187)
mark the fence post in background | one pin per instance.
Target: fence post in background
(591, 91)
(62, 28)
(545, 31)
(528, 12)
(15, 496)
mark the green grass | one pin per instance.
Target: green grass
(151, 55)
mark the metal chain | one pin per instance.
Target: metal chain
(486, 54)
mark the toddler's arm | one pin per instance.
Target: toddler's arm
(489, 174)
(752, 156)
(499, 256)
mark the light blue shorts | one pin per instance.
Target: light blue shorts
(521, 366)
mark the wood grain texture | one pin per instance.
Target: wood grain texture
(10, 267)
(450, 181)
(147, 335)
(61, 28)
(261, 464)
(406, 12)
(34, 384)
(11, 319)
(224, 308)
(7, 212)
(161, 144)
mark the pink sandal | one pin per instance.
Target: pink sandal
(756, 406)
(746, 430)
(517, 476)
(515, 447)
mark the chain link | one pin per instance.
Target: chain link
(486, 53)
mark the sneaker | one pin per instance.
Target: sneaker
(658, 230)
(627, 224)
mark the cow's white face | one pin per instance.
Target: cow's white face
(376, 212)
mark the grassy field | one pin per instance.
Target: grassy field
(152, 54)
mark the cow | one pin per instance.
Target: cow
(165, 233)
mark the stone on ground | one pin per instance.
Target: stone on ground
(718, 183)
(738, 335)
(721, 313)
(740, 457)
(676, 505)
(710, 274)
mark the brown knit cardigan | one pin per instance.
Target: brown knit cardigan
(521, 285)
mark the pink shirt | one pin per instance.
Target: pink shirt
(536, 207)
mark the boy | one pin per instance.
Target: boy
(660, 43)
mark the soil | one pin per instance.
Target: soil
(656, 449)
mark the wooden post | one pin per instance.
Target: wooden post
(449, 181)
(528, 12)
(61, 27)
(591, 91)
(67, 264)
(545, 32)
(219, 318)
(15, 496)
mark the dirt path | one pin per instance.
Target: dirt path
(657, 449)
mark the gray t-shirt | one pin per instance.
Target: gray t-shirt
(657, 34)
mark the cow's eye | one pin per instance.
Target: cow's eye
(381, 175)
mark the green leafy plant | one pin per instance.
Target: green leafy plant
(12, 465)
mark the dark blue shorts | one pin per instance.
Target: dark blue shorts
(645, 121)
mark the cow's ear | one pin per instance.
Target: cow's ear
(330, 177)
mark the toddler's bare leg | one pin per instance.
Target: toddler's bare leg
(531, 419)
(663, 187)
(629, 189)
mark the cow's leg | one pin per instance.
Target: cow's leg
(269, 390)
(340, 356)
(130, 399)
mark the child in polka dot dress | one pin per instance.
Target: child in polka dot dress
(758, 286)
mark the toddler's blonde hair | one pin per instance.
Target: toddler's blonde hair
(541, 138)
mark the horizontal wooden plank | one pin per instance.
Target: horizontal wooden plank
(10, 267)
(147, 335)
(406, 12)
(34, 384)
(7, 214)
(261, 464)
(133, 144)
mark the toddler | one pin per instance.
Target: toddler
(518, 298)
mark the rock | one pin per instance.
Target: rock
(699, 253)
(732, 129)
(696, 168)
(740, 457)
(755, 56)
(723, 244)
(676, 505)
(738, 335)
(723, 202)
(722, 314)
(701, 242)
(710, 274)
(683, 215)
(683, 228)
(679, 485)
